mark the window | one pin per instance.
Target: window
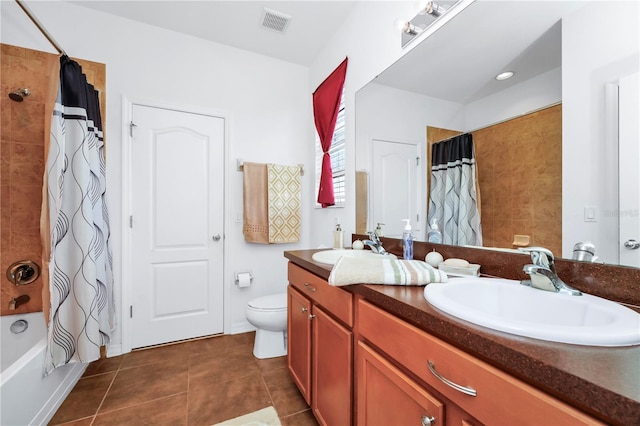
(337, 159)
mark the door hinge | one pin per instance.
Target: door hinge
(131, 126)
(131, 221)
(417, 161)
(130, 311)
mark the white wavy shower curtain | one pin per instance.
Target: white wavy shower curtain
(453, 200)
(80, 264)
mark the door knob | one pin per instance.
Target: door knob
(216, 237)
(632, 244)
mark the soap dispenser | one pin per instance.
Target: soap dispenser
(434, 235)
(407, 241)
(337, 237)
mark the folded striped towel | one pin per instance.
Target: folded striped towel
(372, 270)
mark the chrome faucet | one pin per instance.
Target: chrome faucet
(375, 243)
(543, 272)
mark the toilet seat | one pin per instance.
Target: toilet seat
(272, 302)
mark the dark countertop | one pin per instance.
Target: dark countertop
(601, 381)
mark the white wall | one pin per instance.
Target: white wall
(599, 45)
(530, 95)
(267, 102)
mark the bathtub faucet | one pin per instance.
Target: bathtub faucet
(17, 301)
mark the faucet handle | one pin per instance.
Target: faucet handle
(540, 256)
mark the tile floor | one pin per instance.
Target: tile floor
(199, 382)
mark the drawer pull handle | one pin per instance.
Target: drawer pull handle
(427, 421)
(464, 389)
(311, 316)
(304, 310)
(309, 287)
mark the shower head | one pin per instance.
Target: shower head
(19, 95)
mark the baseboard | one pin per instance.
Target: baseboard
(241, 327)
(114, 350)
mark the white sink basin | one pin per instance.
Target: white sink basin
(330, 257)
(508, 306)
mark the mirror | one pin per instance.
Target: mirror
(448, 81)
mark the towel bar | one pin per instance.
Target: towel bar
(240, 163)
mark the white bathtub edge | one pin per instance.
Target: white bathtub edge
(57, 398)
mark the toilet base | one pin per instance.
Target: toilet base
(269, 344)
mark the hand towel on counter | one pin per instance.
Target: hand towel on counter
(256, 206)
(371, 270)
(271, 196)
(284, 203)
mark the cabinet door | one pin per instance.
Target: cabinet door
(299, 341)
(386, 396)
(331, 370)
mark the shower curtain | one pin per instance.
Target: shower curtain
(453, 198)
(81, 308)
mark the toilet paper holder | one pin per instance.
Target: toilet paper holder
(243, 279)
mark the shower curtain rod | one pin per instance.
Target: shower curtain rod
(42, 29)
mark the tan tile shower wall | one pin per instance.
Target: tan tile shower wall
(22, 131)
(520, 178)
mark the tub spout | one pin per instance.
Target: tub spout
(17, 301)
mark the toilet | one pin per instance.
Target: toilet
(269, 315)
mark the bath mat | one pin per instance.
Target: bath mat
(265, 417)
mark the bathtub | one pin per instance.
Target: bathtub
(26, 397)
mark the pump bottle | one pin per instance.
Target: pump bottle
(434, 235)
(338, 238)
(407, 241)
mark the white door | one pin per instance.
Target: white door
(396, 183)
(629, 162)
(176, 225)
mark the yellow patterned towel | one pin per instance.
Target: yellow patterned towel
(284, 203)
(371, 270)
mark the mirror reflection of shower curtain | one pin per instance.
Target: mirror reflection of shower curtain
(454, 198)
(82, 310)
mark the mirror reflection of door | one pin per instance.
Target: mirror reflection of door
(629, 163)
(396, 170)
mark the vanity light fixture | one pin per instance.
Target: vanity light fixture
(504, 75)
(426, 16)
(411, 29)
(434, 10)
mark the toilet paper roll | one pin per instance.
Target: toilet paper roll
(243, 279)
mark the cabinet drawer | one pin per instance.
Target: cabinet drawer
(499, 398)
(386, 396)
(336, 301)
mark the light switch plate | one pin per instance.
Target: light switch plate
(590, 214)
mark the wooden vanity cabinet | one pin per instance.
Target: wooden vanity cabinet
(487, 394)
(320, 345)
(386, 396)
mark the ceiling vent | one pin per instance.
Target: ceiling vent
(275, 21)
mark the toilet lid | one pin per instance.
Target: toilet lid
(271, 302)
